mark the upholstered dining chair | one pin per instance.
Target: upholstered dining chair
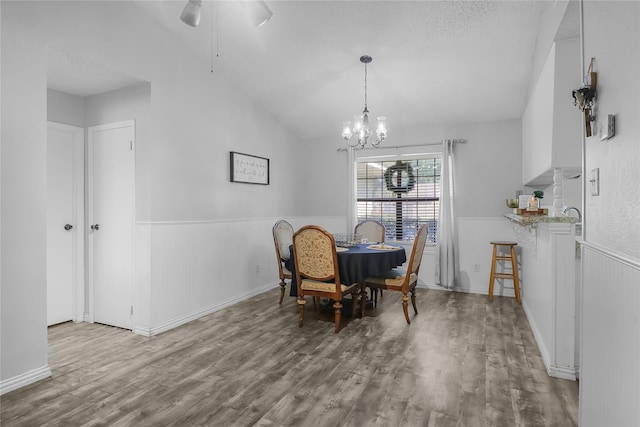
(404, 281)
(371, 230)
(317, 274)
(282, 239)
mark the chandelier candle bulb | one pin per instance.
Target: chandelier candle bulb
(346, 130)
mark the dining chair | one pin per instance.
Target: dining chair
(404, 281)
(317, 274)
(373, 231)
(282, 239)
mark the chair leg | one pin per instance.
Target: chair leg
(354, 300)
(301, 303)
(492, 276)
(405, 307)
(337, 306)
(514, 267)
(283, 284)
(363, 300)
(413, 299)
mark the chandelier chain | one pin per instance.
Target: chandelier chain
(365, 87)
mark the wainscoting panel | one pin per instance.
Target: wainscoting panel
(610, 359)
(474, 261)
(188, 269)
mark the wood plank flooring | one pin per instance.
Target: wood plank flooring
(462, 362)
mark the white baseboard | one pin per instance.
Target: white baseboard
(553, 370)
(179, 321)
(24, 379)
(562, 372)
(506, 292)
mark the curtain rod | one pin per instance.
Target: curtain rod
(463, 141)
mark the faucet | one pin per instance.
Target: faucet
(567, 209)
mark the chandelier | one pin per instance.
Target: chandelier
(361, 127)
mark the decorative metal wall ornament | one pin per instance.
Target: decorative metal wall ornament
(394, 180)
(585, 97)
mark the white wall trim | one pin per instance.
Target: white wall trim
(625, 259)
(227, 220)
(179, 321)
(25, 379)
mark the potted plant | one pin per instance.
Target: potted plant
(538, 194)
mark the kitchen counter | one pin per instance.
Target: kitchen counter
(535, 219)
(548, 287)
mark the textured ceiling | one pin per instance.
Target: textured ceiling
(80, 76)
(434, 62)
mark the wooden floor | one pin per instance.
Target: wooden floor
(462, 362)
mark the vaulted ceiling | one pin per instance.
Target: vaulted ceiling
(434, 62)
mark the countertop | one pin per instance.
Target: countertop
(535, 219)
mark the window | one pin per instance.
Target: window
(402, 195)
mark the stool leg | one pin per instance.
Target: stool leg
(514, 266)
(492, 277)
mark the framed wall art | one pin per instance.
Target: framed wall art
(248, 169)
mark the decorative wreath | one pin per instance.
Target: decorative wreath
(391, 178)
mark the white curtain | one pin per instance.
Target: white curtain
(447, 237)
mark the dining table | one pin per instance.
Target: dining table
(356, 263)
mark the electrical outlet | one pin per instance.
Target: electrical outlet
(476, 268)
(257, 268)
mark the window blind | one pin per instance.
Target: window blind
(401, 212)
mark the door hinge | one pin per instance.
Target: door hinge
(130, 145)
(132, 310)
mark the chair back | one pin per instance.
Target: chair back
(416, 254)
(371, 230)
(314, 251)
(282, 238)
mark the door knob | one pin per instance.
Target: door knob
(95, 227)
(68, 227)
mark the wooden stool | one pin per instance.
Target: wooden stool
(514, 268)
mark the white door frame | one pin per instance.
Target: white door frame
(79, 217)
(90, 250)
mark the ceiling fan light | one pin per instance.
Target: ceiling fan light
(259, 12)
(191, 13)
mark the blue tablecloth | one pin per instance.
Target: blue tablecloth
(358, 263)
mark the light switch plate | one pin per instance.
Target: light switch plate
(595, 182)
(611, 127)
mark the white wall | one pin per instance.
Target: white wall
(23, 325)
(194, 120)
(610, 371)
(610, 34)
(65, 108)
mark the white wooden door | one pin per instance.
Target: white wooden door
(65, 219)
(111, 222)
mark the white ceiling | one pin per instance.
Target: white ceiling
(434, 62)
